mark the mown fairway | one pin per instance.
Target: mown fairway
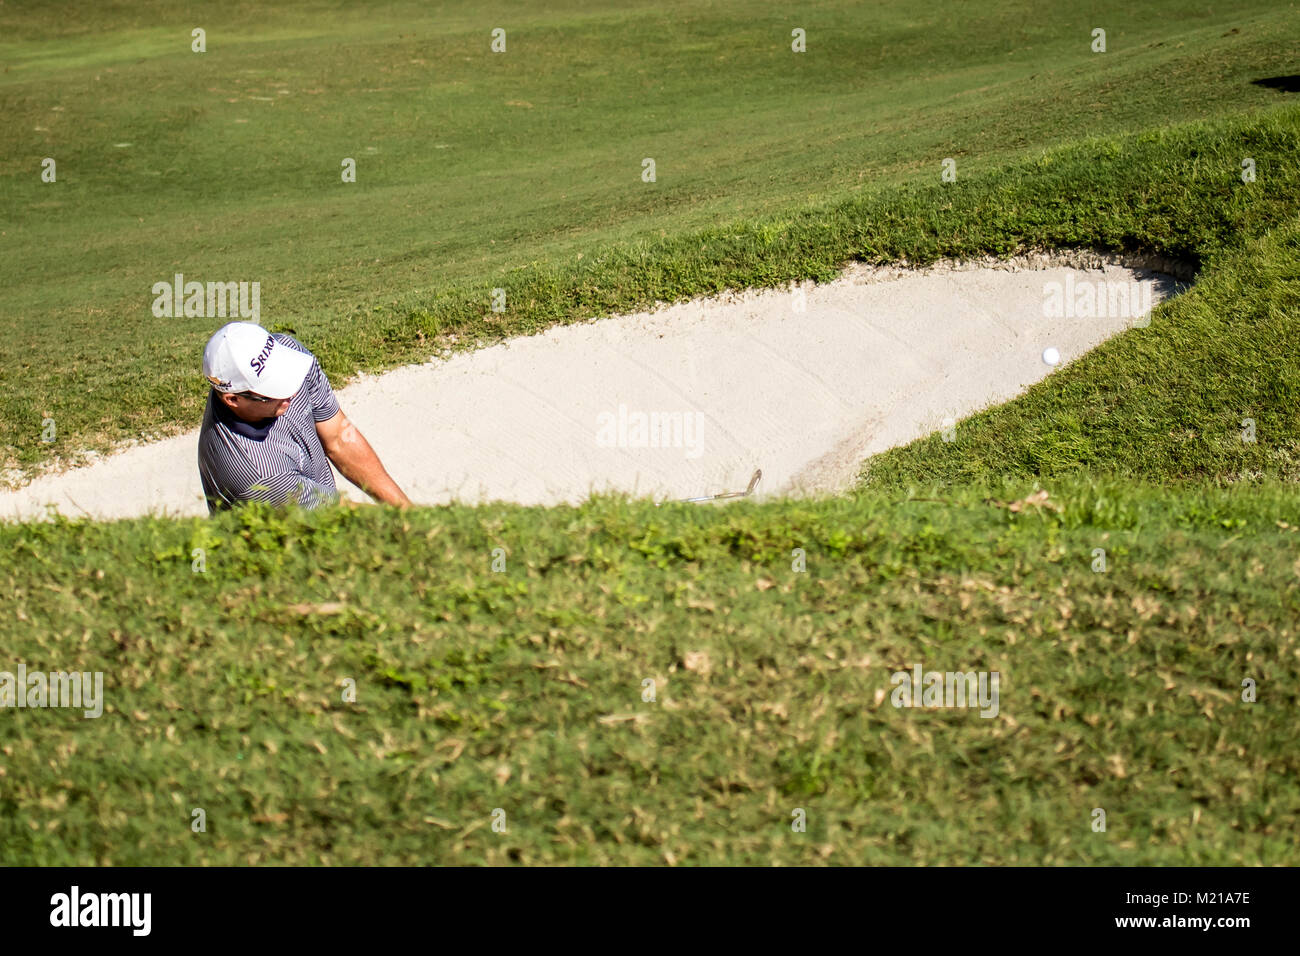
(478, 170)
(522, 689)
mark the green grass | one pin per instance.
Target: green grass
(522, 689)
(479, 170)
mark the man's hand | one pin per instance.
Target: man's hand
(352, 455)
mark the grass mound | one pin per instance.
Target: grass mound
(524, 689)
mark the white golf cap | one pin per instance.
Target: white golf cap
(244, 357)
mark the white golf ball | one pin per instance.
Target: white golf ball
(1052, 355)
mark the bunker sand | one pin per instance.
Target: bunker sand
(688, 399)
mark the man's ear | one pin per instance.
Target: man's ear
(228, 399)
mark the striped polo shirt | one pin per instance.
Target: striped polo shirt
(278, 459)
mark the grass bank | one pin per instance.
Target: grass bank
(523, 689)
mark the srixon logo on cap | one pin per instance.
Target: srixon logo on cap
(259, 363)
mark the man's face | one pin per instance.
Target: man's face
(252, 407)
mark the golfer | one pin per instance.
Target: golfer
(272, 426)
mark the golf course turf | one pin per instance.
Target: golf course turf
(628, 683)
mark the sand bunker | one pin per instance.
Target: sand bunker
(690, 399)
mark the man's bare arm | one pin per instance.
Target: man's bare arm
(352, 455)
